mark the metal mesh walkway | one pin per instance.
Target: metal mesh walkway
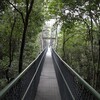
(48, 86)
(71, 85)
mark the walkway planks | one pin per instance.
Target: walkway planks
(48, 86)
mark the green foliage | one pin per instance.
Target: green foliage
(2, 5)
(10, 38)
(79, 36)
(3, 83)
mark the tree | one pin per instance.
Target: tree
(84, 12)
(25, 19)
(11, 28)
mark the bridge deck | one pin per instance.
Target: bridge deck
(48, 86)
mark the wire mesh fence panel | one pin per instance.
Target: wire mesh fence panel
(71, 83)
(25, 85)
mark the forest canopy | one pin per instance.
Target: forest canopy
(79, 38)
(20, 24)
(22, 21)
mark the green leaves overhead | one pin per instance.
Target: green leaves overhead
(79, 35)
(2, 5)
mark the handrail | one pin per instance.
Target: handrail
(32, 79)
(91, 89)
(65, 81)
(11, 84)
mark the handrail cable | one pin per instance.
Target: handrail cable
(91, 89)
(11, 84)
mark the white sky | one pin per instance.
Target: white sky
(50, 22)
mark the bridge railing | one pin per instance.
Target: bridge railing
(24, 86)
(71, 85)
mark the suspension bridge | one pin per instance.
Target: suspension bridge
(48, 77)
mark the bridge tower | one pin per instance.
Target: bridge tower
(47, 37)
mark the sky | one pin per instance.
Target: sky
(50, 22)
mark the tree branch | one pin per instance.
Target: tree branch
(17, 10)
(82, 19)
(68, 38)
(27, 3)
(30, 7)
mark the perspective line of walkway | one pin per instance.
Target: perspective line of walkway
(48, 87)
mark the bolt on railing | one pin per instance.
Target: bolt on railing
(71, 85)
(24, 86)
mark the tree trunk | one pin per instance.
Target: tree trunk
(92, 46)
(63, 48)
(56, 38)
(28, 11)
(23, 44)
(98, 69)
(10, 50)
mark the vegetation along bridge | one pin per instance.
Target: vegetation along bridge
(38, 81)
